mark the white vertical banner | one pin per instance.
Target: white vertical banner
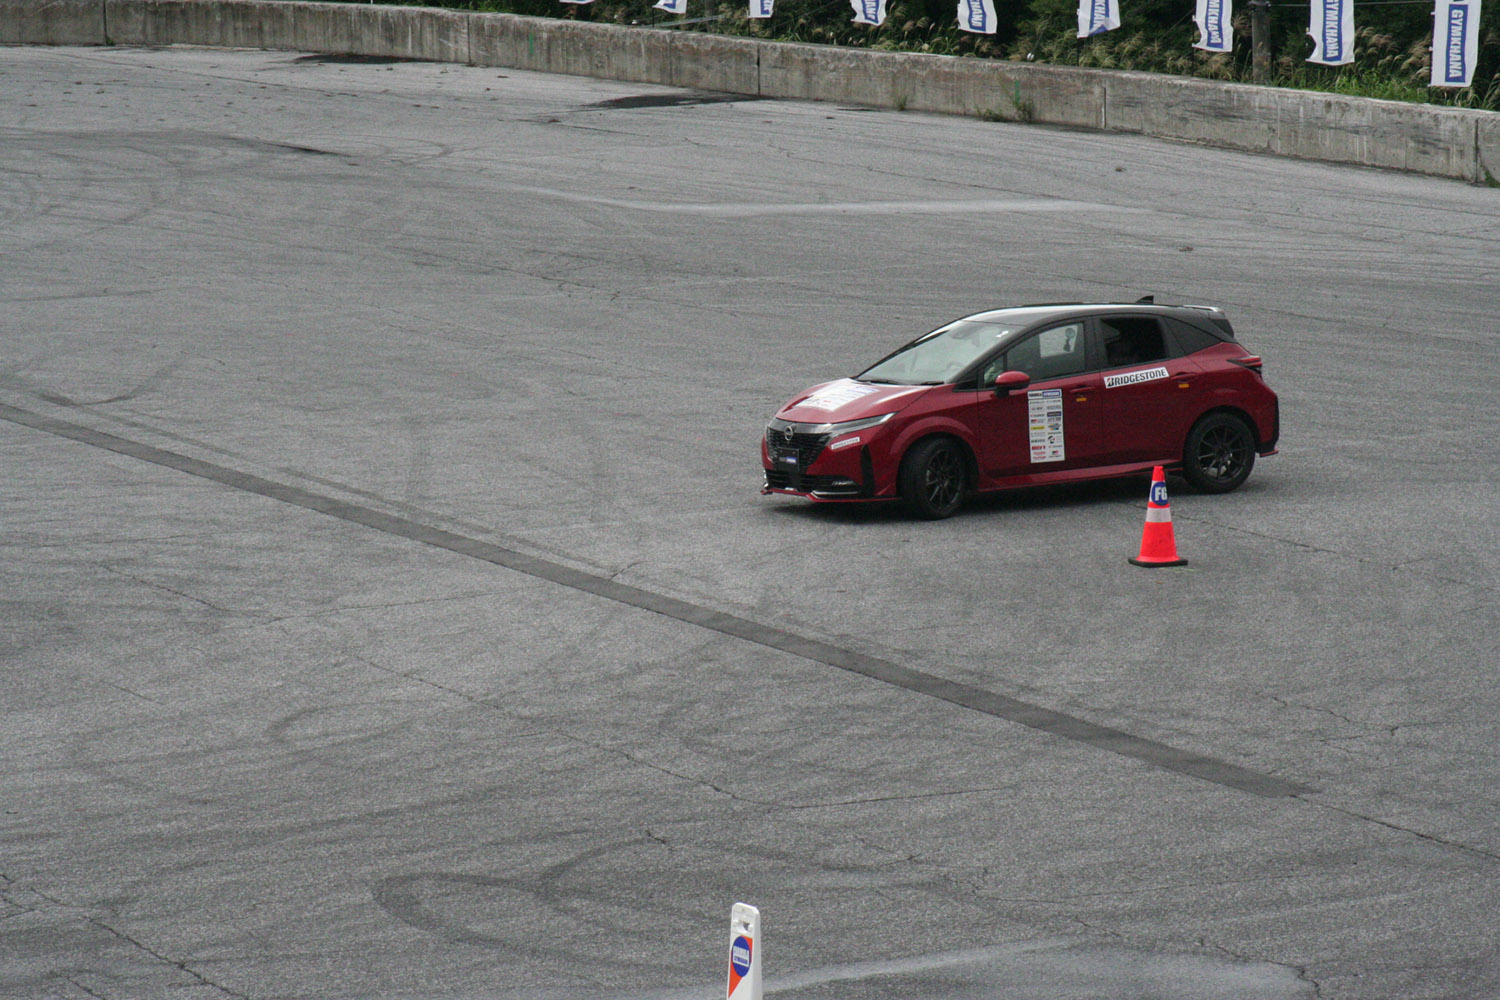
(1332, 31)
(671, 6)
(1455, 42)
(977, 16)
(744, 953)
(1095, 17)
(760, 8)
(871, 12)
(1215, 32)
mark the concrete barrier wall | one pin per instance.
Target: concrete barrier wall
(715, 62)
(375, 30)
(948, 84)
(1487, 148)
(1414, 137)
(51, 22)
(1424, 139)
(646, 55)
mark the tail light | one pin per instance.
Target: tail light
(1252, 362)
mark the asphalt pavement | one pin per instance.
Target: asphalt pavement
(388, 607)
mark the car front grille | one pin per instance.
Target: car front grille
(808, 446)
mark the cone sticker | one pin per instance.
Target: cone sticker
(1158, 545)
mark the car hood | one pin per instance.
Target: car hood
(845, 399)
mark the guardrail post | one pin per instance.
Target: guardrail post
(1260, 40)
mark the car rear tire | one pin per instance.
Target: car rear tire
(933, 478)
(1219, 454)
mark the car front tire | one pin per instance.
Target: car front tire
(1219, 454)
(933, 478)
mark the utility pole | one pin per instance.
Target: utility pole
(1260, 40)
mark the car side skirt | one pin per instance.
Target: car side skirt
(1010, 482)
(1077, 475)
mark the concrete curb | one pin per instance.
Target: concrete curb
(1419, 138)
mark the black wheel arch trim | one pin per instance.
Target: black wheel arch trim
(971, 464)
(1260, 443)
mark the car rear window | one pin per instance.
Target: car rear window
(1191, 339)
(1131, 340)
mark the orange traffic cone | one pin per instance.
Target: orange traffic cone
(1158, 546)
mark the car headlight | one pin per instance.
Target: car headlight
(849, 426)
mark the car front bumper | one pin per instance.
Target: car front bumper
(819, 472)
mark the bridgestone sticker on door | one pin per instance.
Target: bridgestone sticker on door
(1044, 410)
(1131, 378)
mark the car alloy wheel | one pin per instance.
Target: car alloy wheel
(1220, 453)
(933, 478)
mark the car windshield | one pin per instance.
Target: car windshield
(937, 358)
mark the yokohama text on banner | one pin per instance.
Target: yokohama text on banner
(1455, 42)
(1332, 30)
(1215, 30)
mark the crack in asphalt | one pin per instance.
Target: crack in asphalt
(59, 904)
(892, 798)
(1431, 838)
(177, 593)
(146, 949)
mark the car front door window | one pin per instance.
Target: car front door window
(1052, 353)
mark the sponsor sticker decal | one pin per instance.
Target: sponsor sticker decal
(739, 962)
(1159, 494)
(1044, 418)
(739, 955)
(1131, 378)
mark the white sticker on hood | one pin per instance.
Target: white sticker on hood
(833, 396)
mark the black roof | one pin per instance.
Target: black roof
(1210, 317)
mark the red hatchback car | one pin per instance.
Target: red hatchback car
(1027, 396)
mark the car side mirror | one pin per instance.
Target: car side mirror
(1007, 382)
